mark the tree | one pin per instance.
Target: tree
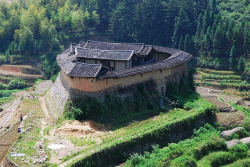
(26, 41)
(241, 64)
(103, 11)
(181, 44)
(189, 45)
(232, 57)
(182, 26)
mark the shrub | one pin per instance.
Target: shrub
(6, 93)
(114, 108)
(134, 159)
(182, 89)
(238, 135)
(246, 124)
(17, 84)
(240, 163)
(213, 144)
(2, 86)
(221, 158)
(184, 161)
(239, 151)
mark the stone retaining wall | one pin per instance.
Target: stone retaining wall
(56, 98)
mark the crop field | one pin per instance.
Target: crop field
(144, 129)
(229, 81)
(7, 139)
(32, 106)
(26, 143)
(205, 148)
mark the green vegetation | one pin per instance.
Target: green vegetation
(5, 95)
(82, 141)
(149, 131)
(32, 106)
(17, 84)
(246, 124)
(209, 71)
(27, 143)
(213, 76)
(229, 81)
(115, 110)
(215, 31)
(206, 148)
(142, 103)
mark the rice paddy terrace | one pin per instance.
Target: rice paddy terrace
(229, 82)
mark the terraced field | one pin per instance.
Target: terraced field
(7, 139)
(32, 106)
(228, 81)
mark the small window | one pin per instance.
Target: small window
(106, 81)
(141, 75)
(160, 71)
(92, 81)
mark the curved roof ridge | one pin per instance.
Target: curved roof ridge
(114, 42)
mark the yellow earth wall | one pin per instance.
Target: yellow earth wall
(96, 85)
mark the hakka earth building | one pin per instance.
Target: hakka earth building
(95, 68)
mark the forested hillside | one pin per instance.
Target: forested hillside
(216, 32)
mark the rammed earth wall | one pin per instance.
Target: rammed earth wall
(93, 86)
(67, 87)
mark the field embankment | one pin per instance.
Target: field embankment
(24, 72)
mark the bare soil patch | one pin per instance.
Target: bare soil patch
(80, 129)
(212, 97)
(25, 72)
(228, 119)
(15, 68)
(61, 139)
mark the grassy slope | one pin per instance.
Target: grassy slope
(150, 126)
(206, 148)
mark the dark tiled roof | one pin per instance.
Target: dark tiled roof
(165, 50)
(115, 51)
(85, 70)
(136, 47)
(76, 69)
(175, 60)
(146, 50)
(124, 55)
(65, 62)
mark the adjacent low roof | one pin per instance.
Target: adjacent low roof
(77, 69)
(177, 59)
(124, 55)
(85, 70)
